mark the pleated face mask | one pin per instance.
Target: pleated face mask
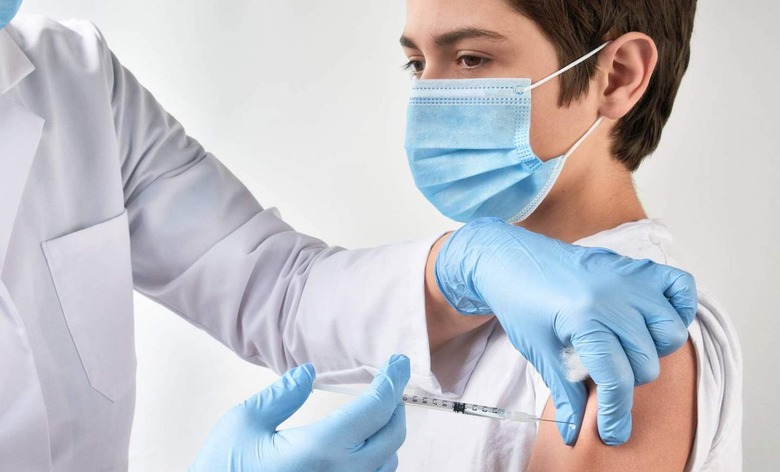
(469, 149)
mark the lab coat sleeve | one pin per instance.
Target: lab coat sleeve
(205, 248)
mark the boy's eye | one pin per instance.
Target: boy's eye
(470, 62)
(415, 66)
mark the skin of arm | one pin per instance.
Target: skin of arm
(664, 426)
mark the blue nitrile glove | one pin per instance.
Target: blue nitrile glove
(362, 436)
(8, 10)
(619, 314)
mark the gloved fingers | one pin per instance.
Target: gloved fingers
(605, 359)
(569, 398)
(284, 397)
(367, 414)
(666, 327)
(383, 445)
(391, 465)
(680, 290)
(640, 348)
(666, 322)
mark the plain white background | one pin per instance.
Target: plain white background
(305, 101)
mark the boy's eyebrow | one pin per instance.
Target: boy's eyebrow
(452, 37)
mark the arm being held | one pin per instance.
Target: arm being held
(618, 313)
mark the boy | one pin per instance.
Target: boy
(561, 167)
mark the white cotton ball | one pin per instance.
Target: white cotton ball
(575, 371)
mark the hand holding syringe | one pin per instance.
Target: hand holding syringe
(441, 404)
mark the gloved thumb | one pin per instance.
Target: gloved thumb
(568, 397)
(371, 411)
(274, 405)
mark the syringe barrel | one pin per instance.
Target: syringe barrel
(471, 409)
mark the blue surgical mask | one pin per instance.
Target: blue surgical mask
(468, 144)
(8, 9)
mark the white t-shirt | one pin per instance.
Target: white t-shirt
(484, 368)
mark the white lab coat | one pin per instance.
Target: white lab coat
(101, 192)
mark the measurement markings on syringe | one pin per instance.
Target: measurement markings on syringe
(457, 407)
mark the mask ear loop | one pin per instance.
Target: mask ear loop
(556, 74)
(567, 68)
(584, 137)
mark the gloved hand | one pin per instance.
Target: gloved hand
(619, 314)
(362, 436)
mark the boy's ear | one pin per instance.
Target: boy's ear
(626, 66)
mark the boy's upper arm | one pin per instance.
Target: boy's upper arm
(664, 426)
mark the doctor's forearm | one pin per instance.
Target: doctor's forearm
(444, 323)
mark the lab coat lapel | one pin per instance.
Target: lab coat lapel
(24, 430)
(14, 64)
(20, 135)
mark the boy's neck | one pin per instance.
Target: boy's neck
(599, 203)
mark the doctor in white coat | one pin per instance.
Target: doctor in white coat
(102, 192)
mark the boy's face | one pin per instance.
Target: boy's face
(461, 39)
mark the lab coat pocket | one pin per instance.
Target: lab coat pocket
(93, 278)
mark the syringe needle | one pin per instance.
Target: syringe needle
(527, 418)
(571, 425)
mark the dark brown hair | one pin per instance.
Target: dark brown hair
(576, 27)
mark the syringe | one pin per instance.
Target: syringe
(442, 404)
